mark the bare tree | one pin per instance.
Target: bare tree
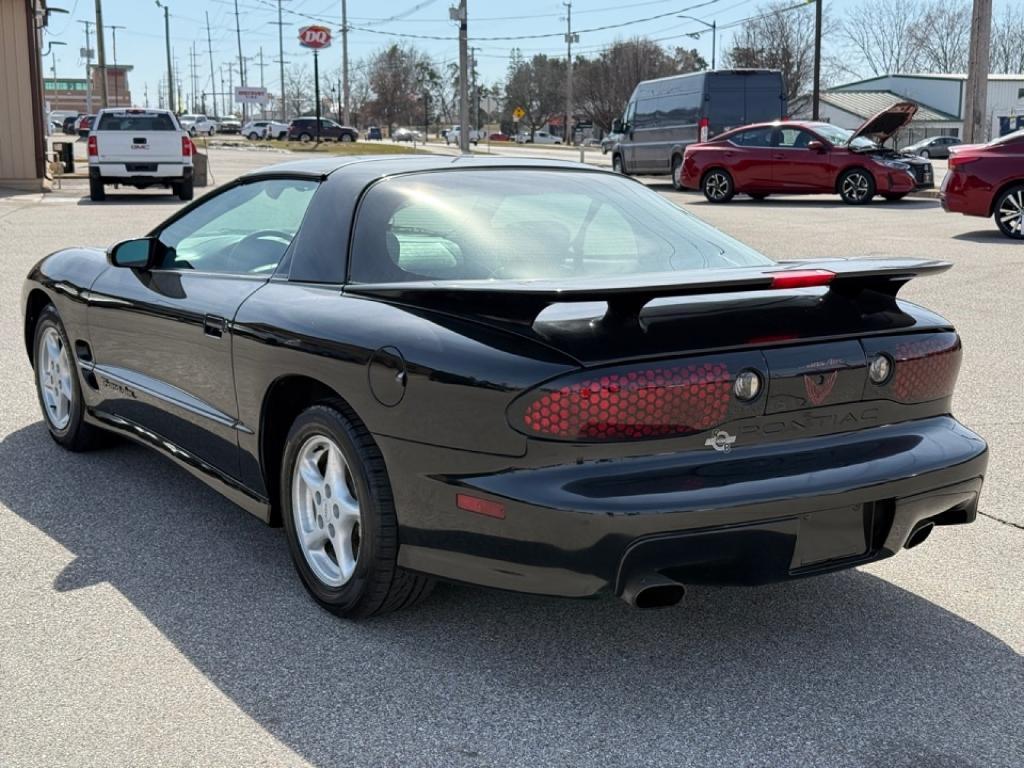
(298, 89)
(604, 84)
(943, 36)
(779, 37)
(880, 35)
(536, 85)
(398, 75)
(1008, 40)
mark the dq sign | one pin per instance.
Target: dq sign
(315, 36)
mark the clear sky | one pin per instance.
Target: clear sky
(141, 42)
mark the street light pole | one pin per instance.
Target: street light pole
(570, 38)
(88, 67)
(170, 69)
(713, 26)
(113, 31)
(816, 90)
(459, 13)
(344, 64)
(101, 53)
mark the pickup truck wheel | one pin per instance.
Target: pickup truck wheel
(96, 191)
(184, 190)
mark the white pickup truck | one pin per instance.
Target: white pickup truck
(139, 148)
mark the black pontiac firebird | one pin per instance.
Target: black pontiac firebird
(534, 376)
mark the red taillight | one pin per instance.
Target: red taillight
(802, 278)
(955, 161)
(925, 369)
(703, 125)
(94, 149)
(651, 402)
(186, 146)
(480, 506)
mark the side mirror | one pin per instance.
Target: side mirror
(816, 146)
(616, 125)
(134, 254)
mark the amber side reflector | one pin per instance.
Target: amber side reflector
(802, 278)
(480, 506)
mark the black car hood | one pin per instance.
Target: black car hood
(880, 127)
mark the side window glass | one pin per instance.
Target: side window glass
(755, 137)
(793, 138)
(244, 231)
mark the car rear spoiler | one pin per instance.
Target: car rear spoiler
(520, 302)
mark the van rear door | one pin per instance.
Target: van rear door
(741, 97)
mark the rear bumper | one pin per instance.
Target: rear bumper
(131, 173)
(964, 194)
(758, 514)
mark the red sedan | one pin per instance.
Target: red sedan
(795, 157)
(988, 180)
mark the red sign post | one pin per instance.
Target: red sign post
(316, 37)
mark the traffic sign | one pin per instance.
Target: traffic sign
(251, 95)
(315, 36)
(518, 113)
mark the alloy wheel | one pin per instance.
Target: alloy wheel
(326, 510)
(855, 187)
(716, 186)
(1011, 213)
(53, 368)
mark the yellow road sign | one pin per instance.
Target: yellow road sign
(518, 113)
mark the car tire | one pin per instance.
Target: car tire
(58, 388)
(253, 136)
(367, 580)
(1009, 212)
(856, 186)
(345, 137)
(892, 198)
(717, 186)
(618, 166)
(185, 190)
(97, 192)
(924, 153)
(677, 168)
(305, 138)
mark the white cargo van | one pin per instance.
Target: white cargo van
(139, 148)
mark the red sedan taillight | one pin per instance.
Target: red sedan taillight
(93, 147)
(658, 401)
(955, 161)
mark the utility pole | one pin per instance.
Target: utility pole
(263, 106)
(53, 63)
(167, 41)
(113, 31)
(241, 62)
(570, 38)
(194, 101)
(476, 88)
(101, 52)
(145, 93)
(280, 60)
(344, 63)
(976, 91)
(816, 91)
(231, 85)
(459, 14)
(213, 78)
(88, 67)
(223, 93)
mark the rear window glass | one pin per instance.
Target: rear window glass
(151, 122)
(499, 224)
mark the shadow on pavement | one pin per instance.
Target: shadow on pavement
(840, 670)
(992, 235)
(135, 198)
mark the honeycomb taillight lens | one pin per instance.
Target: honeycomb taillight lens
(657, 401)
(925, 369)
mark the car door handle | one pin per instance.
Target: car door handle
(778, 156)
(214, 326)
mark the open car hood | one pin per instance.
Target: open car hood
(880, 127)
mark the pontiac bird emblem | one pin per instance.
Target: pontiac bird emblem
(819, 386)
(721, 441)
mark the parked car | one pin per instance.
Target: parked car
(609, 142)
(452, 135)
(265, 129)
(936, 146)
(373, 133)
(304, 129)
(140, 148)
(406, 134)
(83, 124)
(538, 137)
(798, 157)
(734, 441)
(69, 123)
(229, 124)
(988, 180)
(198, 125)
(499, 136)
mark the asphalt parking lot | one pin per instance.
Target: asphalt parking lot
(144, 620)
